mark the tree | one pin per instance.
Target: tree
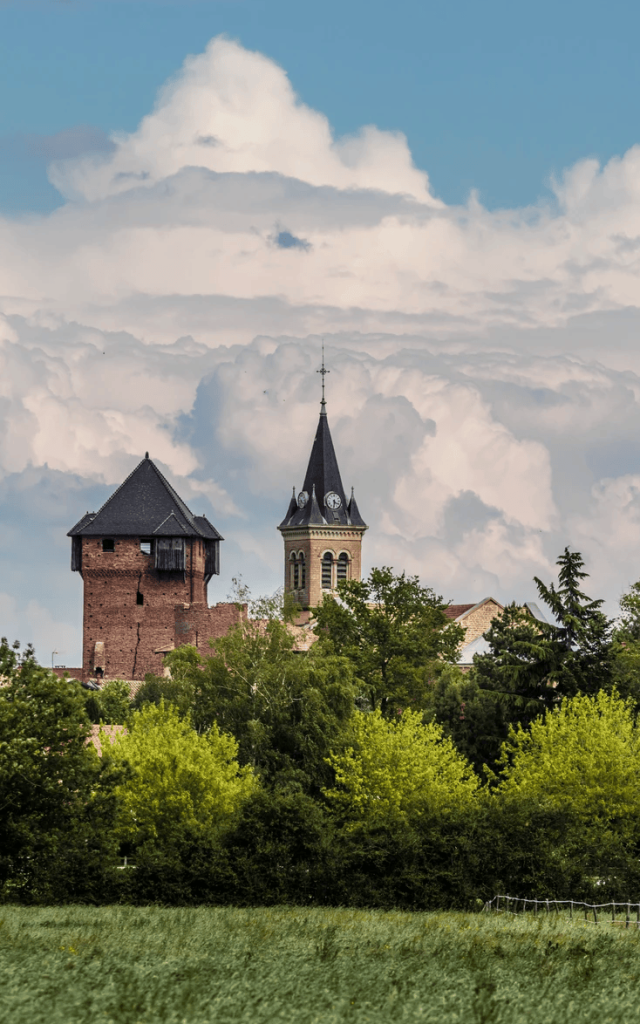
(582, 758)
(475, 719)
(388, 626)
(111, 705)
(399, 770)
(184, 782)
(57, 797)
(536, 663)
(286, 709)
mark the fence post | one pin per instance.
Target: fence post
(571, 911)
(627, 917)
(613, 913)
(535, 908)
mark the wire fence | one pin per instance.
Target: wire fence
(624, 915)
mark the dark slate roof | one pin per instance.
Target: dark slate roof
(322, 477)
(145, 505)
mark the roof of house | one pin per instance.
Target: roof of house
(322, 478)
(145, 505)
(460, 611)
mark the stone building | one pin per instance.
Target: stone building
(145, 561)
(322, 530)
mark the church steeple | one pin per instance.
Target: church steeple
(322, 531)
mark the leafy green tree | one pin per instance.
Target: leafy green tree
(389, 627)
(476, 720)
(536, 663)
(57, 797)
(583, 759)
(628, 625)
(286, 708)
(400, 770)
(111, 705)
(176, 689)
(185, 783)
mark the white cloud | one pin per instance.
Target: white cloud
(484, 396)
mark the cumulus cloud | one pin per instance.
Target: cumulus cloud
(485, 371)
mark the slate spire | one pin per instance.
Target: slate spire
(322, 500)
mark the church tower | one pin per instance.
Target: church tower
(322, 531)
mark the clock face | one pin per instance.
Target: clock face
(303, 498)
(332, 500)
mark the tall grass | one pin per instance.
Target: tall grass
(128, 965)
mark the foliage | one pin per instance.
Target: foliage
(628, 625)
(184, 782)
(57, 800)
(475, 719)
(286, 709)
(303, 965)
(534, 663)
(400, 770)
(582, 758)
(111, 705)
(388, 626)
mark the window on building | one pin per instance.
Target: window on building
(146, 546)
(139, 598)
(296, 575)
(327, 571)
(303, 571)
(343, 566)
(108, 544)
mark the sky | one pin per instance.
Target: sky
(194, 194)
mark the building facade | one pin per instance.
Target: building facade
(145, 561)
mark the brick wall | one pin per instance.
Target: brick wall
(126, 638)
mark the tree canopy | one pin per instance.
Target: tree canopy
(388, 626)
(399, 769)
(184, 781)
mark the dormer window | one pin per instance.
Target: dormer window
(108, 544)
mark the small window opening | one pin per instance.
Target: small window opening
(303, 572)
(343, 566)
(139, 598)
(146, 546)
(108, 544)
(327, 571)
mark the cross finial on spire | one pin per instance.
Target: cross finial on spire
(324, 372)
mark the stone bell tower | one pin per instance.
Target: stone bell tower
(322, 530)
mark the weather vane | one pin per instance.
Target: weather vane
(323, 371)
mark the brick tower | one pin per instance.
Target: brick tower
(145, 561)
(322, 531)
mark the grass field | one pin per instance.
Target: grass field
(131, 965)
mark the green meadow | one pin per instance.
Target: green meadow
(130, 965)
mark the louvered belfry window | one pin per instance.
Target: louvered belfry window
(327, 571)
(343, 566)
(170, 553)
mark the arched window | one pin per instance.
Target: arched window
(327, 571)
(343, 566)
(302, 567)
(293, 571)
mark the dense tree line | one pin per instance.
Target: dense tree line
(369, 770)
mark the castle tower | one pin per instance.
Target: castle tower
(322, 531)
(145, 561)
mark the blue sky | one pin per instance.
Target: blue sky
(495, 96)
(193, 194)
